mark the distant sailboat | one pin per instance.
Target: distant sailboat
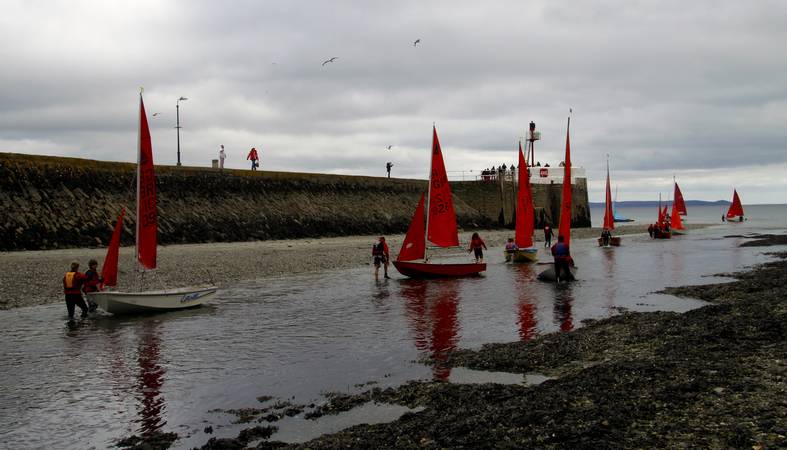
(440, 228)
(615, 215)
(679, 204)
(661, 229)
(147, 240)
(607, 240)
(524, 217)
(736, 208)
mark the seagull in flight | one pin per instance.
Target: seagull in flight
(389, 147)
(416, 42)
(330, 60)
(155, 114)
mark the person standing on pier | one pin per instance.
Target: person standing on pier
(254, 157)
(222, 156)
(72, 288)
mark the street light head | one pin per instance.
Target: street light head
(182, 98)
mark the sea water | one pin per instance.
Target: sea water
(299, 337)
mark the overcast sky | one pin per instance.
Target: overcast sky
(693, 89)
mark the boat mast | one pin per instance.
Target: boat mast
(139, 156)
(429, 195)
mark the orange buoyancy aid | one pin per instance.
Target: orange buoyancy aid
(72, 283)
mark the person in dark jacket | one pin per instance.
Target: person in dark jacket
(381, 257)
(72, 288)
(91, 284)
(562, 255)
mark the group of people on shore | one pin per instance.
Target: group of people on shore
(253, 156)
(76, 284)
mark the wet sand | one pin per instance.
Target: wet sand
(35, 277)
(713, 377)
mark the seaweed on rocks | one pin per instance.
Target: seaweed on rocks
(151, 441)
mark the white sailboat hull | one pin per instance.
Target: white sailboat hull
(152, 301)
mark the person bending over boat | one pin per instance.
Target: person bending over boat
(92, 280)
(381, 257)
(562, 255)
(477, 246)
(72, 288)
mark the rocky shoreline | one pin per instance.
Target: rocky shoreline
(34, 277)
(713, 377)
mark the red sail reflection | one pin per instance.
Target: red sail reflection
(526, 308)
(432, 310)
(149, 382)
(562, 308)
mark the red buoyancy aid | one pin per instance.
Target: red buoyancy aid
(92, 279)
(72, 282)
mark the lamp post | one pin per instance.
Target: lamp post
(177, 123)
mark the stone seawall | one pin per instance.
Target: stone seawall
(51, 202)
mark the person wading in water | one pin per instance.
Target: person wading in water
(72, 288)
(562, 255)
(381, 256)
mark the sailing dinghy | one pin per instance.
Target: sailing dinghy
(736, 208)
(440, 228)
(564, 229)
(117, 302)
(523, 235)
(609, 218)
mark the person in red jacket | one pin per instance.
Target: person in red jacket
(72, 288)
(477, 245)
(254, 157)
(381, 257)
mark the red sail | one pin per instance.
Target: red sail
(441, 225)
(109, 271)
(147, 216)
(736, 209)
(524, 206)
(679, 203)
(414, 246)
(609, 217)
(675, 221)
(565, 206)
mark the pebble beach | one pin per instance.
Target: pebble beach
(34, 277)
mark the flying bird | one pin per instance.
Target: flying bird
(416, 42)
(330, 60)
(389, 147)
(156, 114)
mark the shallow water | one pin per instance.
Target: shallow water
(298, 337)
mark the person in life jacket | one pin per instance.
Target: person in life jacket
(381, 257)
(72, 288)
(562, 255)
(91, 284)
